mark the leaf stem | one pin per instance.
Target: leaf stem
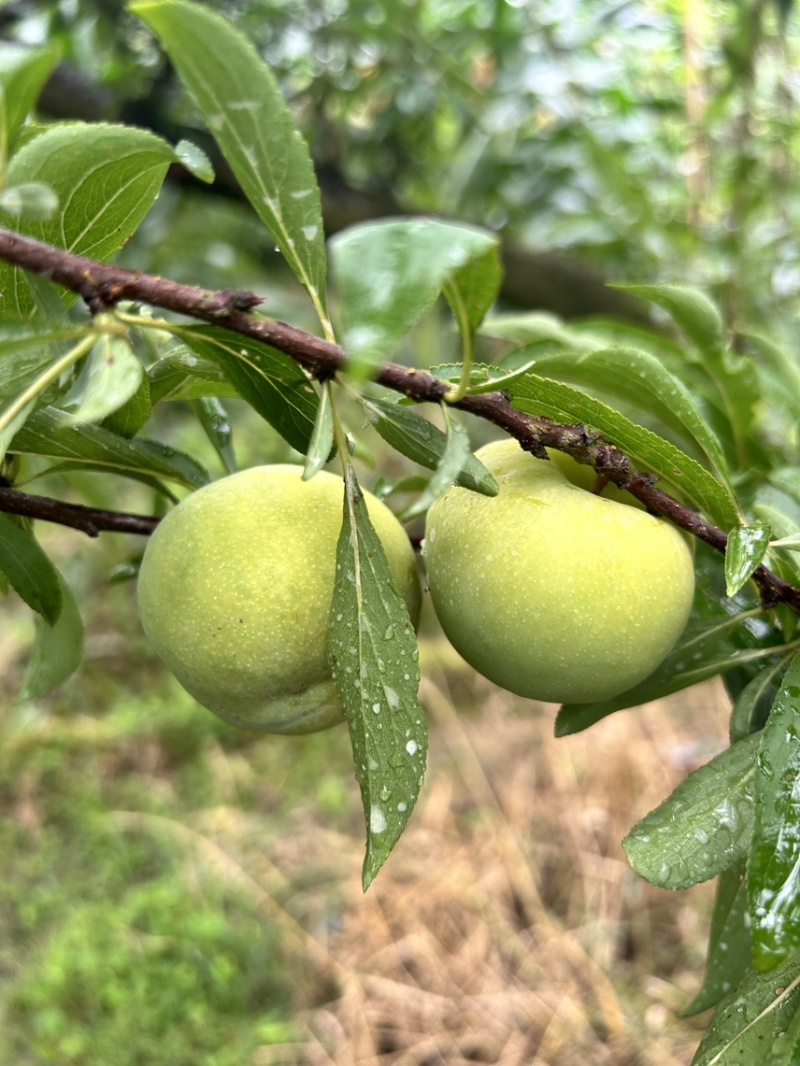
(37, 387)
(456, 301)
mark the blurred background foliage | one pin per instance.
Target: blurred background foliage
(637, 141)
(169, 880)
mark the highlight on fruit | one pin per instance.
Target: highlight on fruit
(235, 593)
(550, 590)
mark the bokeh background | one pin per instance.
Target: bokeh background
(178, 892)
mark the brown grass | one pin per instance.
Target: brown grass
(507, 927)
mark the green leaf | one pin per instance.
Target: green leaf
(26, 350)
(53, 434)
(23, 72)
(29, 570)
(640, 378)
(786, 1049)
(106, 179)
(133, 415)
(709, 646)
(423, 443)
(754, 702)
(321, 447)
(696, 315)
(455, 456)
(33, 201)
(272, 383)
(729, 942)
(563, 403)
(705, 825)
(389, 274)
(109, 378)
(195, 160)
(751, 1018)
(242, 105)
(57, 651)
(216, 423)
(472, 290)
(747, 546)
(374, 661)
(182, 376)
(773, 870)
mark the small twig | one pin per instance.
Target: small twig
(102, 286)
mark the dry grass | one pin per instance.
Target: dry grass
(507, 927)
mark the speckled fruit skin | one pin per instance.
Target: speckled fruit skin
(551, 591)
(235, 591)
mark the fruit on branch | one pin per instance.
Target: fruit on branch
(235, 594)
(550, 590)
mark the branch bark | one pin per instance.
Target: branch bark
(102, 286)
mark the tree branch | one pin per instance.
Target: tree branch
(89, 520)
(101, 286)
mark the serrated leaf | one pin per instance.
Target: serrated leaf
(637, 376)
(729, 942)
(773, 870)
(57, 650)
(563, 403)
(29, 570)
(709, 646)
(216, 423)
(109, 377)
(374, 661)
(390, 273)
(195, 160)
(747, 546)
(321, 446)
(423, 443)
(272, 383)
(54, 435)
(106, 179)
(751, 1018)
(754, 702)
(483, 377)
(23, 72)
(242, 105)
(705, 825)
(692, 311)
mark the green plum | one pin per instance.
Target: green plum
(550, 590)
(235, 593)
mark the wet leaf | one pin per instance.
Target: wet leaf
(745, 552)
(729, 943)
(29, 570)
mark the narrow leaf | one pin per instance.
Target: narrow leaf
(54, 435)
(389, 274)
(321, 447)
(29, 570)
(374, 661)
(455, 455)
(423, 443)
(216, 423)
(272, 383)
(57, 651)
(692, 311)
(773, 872)
(709, 646)
(563, 403)
(751, 1018)
(195, 160)
(729, 943)
(472, 290)
(242, 105)
(745, 552)
(754, 702)
(705, 825)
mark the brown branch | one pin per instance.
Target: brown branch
(89, 520)
(101, 286)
